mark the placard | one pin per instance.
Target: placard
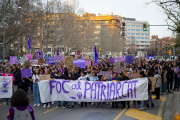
(26, 73)
(80, 63)
(88, 62)
(33, 62)
(69, 60)
(50, 60)
(58, 58)
(44, 77)
(39, 54)
(13, 59)
(119, 58)
(27, 63)
(106, 75)
(129, 59)
(40, 61)
(111, 60)
(29, 56)
(86, 57)
(23, 59)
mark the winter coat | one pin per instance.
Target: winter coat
(17, 76)
(158, 81)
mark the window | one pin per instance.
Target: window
(129, 33)
(124, 29)
(129, 37)
(146, 45)
(123, 34)
(129, 29)
(142, 33)
(137, 37)
(147, 31)
(146, 38)
(137, 30)
(147, 34)
(137, 33)
(137, 45)
(138, 26)
(147, 26)
(142, 41)
(142, 45)
(128, 26)
(146, 41)
(132, 25)
(132, 33)
(142, 37)
(138, 41)
(132, 29)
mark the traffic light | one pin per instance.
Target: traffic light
(144, 27)
(20, 57)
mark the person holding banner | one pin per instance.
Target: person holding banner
(123, 77)
(17, 76)
(25, 81)
(20, 107)
(35, 79)
(84, 78)
(8, 73)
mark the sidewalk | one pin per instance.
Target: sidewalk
(171, 106)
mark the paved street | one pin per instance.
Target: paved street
(93, 113)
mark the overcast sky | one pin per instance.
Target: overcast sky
(131, 9)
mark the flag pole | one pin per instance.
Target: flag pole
(30, 51)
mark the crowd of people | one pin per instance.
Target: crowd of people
(166, 73)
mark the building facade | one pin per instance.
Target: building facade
(136, 38)
(162, 46)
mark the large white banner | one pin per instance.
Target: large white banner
(61, 90)
(6, 83)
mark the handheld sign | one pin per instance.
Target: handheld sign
(39, 54)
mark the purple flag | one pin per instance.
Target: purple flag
(29, 43)
(58, 52)
(129, 59)
(80, 63)
(96, 61)
(119, 58)
(111, 60)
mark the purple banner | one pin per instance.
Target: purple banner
(129, 59)
(111, 60)
(13, 59)
(88, 62)
(80, 63)
(29, 56)
(17, 61)
(119, 58)
(26, 73)
(50, 60)
(58, 58)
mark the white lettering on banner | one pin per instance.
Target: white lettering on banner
(6, 83)
(61, 90)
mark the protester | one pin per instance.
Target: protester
(158, 84)
(149, 88)
(20, 107)
(25, 81)
(36, 79)
(164, 80)
(8, 73)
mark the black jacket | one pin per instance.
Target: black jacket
(76, 76)
(17, 76)
(60, 77)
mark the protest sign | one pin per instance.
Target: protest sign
(44, 77)
(153, 80)
(29, 56)
(106, 75)
(26, 73)
(6, 83)
(82, 91)
(86, 57)
(111, 60)
(17, 61)
(88, 62)
(119, 58)
(117, 62)
(39, 54)
(92, 63)
(129, 59)
(80, 63)
(70, 67)
(50, 60)
(23, 59)
(33, 62)
(69, 60)
(40, 61)
(118, 68)
(13, 59)
(58, 58)
(27, 63)
(133, 75)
